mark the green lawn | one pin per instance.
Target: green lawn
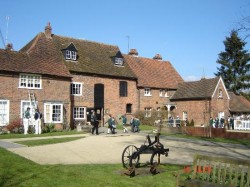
(20, 172)
(47, 141)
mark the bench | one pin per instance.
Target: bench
(210, 171)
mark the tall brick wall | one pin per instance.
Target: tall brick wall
(113, 103)
(53, 90)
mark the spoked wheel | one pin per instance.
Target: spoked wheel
(155, 158)
(127, 154)
(134, 159)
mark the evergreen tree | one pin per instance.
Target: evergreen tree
(235, 66)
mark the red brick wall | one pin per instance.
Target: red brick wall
(53, 89)
(112, 100)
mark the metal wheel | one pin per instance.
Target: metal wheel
(126, 155)
(155, 158)
(134, 159)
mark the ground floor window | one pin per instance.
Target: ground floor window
(24, 105)
(148, 112)
(185, 115)
(4, 112)
(79, 112)
(129, 108)
(53, 113)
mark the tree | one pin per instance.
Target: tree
(235, 66)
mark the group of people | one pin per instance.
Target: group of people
(222, 123)
(134, 122)
(27, 121)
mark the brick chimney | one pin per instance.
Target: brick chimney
(48, 31)
(9, 46)
(157, 57)
(133, 52)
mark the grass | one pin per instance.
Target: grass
(20, 172)
(31, 143)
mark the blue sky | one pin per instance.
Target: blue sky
(188, 33)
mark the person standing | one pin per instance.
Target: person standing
(94, 123)
(38, 117)
(26, 120)
(124, 123)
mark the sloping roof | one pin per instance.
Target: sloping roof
(201, 89)
(13, 61)
(93, 58)
(153, 73)
(238, 103)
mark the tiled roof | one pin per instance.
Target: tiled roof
(93, 58)
(201, 89)
(153, 73)
(238, 103)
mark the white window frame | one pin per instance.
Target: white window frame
(79, 89)
(48, 112)
(220, 93)
(32, 81)
(161, 93)
(147, 92)
(119, 61)
(70, 55)
(4, 112)
(148, 112)
(78, 112)
(184, 115)
(24, 105)
(166, 93)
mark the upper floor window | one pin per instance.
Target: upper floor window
(147, 92)
(123, 89)
(76, 88)
(70, 55)
(79, 113)
(30, 81)
(161, 93)
(166, 93)
(118, 61)
(220, 93)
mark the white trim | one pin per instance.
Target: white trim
(84, 114)
(149, 92)
(81, 88)
(48, 112)
(26, 78)
(220, 80)
(7, 110)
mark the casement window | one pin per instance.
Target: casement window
(70, 55)
(24, 105)
(30, 81)
(148, 112)
(4, 112)
(123, 89)
(129, 108)
(79, 113)
(220, 93)
(119, 61)
(166, 93)
(53, 113)
(147, 92)
(76, 88)
(161, 93)
(184, 115)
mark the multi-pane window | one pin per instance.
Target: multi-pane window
(220, 93)
(185, 115)
(123, 89)
(129, 108)
(161, 93)
(24, 105)
(30, 81)
(166, 93)
(53, 113)
(148, 112)
(79, 113)
(118, 61)
(70, 55)
(147, 92)
(76, 88)
(4, 112)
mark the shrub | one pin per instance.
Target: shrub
(15, 126)
(190, 123)
(48, 128)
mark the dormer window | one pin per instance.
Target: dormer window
(118, 61)
(70, 52)
(70, 55)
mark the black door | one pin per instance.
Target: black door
(99, 100)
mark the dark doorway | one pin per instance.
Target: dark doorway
(99, 100)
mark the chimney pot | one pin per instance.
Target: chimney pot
(157, 57)
(9, 46)
(48, 31)
(133, 52)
